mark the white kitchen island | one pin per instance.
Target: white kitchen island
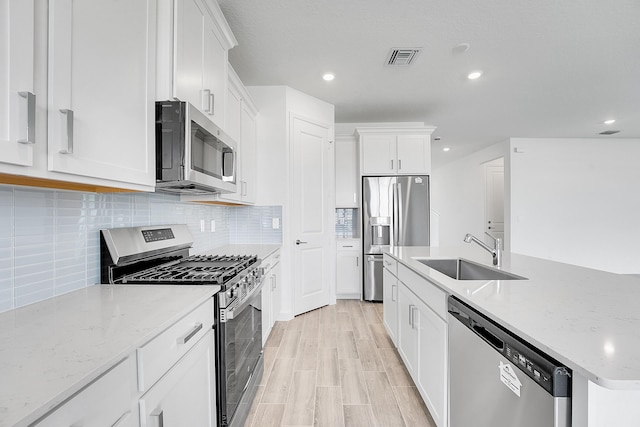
(587, 319)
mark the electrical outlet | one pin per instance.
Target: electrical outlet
(275, 223)
(213, 226)
(202, 225)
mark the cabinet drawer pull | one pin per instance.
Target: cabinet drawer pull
(190, 334)
(159, 415)
(121, 421)
(30, 116)
(69, 123)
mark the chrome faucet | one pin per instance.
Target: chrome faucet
(496, 251)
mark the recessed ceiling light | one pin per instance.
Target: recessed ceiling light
(328, 77)
(474, 75)
(446, 149)
(609, 122)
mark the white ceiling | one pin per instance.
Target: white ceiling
(552, 68)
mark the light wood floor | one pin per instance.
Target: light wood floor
(334, 367)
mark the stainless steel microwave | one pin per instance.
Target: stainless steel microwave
(193, 155)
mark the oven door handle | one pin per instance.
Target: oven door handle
(231, 314)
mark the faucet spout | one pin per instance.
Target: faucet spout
(496, 251)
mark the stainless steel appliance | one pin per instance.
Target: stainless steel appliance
(193, 155)
(160, 255)
(395, 212)
(498, 380)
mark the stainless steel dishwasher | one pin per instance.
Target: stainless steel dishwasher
(498, 380)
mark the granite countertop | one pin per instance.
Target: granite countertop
(587, 319)
(51, 349)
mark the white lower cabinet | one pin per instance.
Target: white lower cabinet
(169, 381)
(271, 293)
(105, 402)
(390, 304)
(348, 269)
(185, 395)
(422, 343)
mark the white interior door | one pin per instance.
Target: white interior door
(494, 217)
(312, 182)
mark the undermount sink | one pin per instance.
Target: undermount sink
(462, 269)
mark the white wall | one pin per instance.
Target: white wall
(577, 201)
(458, 195)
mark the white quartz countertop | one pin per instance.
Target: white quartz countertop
(52, 349)
(587, 319)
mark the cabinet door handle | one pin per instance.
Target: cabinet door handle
(399, 164)
(206, 101)
(186, 337)
(411, 315)
(273, 283)
(357, 262)
(69, 122)
(391, 164)
(120, 422)
(211, 104)
(158, 414)
(394, 292)
(29, 113)
(244, 188)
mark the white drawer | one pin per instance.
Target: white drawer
(390, 264)
(161, 353)
(429, 293)
(348, 245)
(105, 402)
(269, 262)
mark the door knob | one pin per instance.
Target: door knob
(300, 242)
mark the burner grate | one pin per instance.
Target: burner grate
(196, 269)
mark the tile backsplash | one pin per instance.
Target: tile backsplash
(49, 239)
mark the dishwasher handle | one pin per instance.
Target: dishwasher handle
(485, 334)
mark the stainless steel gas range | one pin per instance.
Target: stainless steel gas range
(160, 255)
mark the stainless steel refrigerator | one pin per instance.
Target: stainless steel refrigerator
(395, 212)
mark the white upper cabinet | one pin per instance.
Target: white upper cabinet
(347, 182)
(395, 151)
(101, 78)
(17, 88)
(193, 43)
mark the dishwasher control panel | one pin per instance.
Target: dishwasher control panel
(527, 365)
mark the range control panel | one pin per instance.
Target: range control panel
(157, 235)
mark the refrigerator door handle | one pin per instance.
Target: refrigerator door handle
(394, 199)
(398, 214)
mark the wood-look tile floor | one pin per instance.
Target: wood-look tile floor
(336, 366)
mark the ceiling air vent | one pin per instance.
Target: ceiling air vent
(400, 57)
(609, 132)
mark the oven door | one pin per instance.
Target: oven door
(240, 364)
